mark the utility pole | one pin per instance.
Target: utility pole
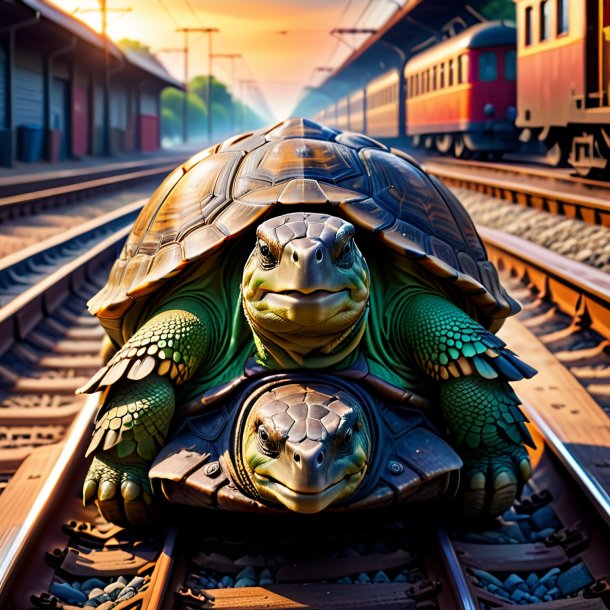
(209, 32)
(232, 57)
(184, 50)
(106, 121)
(106, 93)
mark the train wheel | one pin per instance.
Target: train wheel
(590, 153)
(557, 154)
(460, 150)
(429, 143)
(444, 143)
(416, 141)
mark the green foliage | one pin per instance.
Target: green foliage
(133, 45)
(229, 115)
(499, 9)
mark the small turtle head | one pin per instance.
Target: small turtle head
(306, 284)
(306, 448)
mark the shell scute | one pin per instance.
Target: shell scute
(301, 128)
(224, 190)
(367, 214)
(358, 141)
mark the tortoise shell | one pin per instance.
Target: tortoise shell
(202, 465)
(225, 190)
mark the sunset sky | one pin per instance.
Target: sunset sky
(282, 41)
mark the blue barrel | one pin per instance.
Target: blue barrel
(30, 138)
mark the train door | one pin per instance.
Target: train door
(598, 53)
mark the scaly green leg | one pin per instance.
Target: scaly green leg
(488, 428)
(480, 409)
(133, 426)
(134, 420)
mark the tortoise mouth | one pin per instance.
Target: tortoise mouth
(294, 297)
(307, 501)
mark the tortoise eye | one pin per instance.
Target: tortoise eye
(267, 258)
(346, 443)
(267, 445)
(346, 255)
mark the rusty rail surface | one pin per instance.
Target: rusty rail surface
(578, 290)
(591, 208)
(34, 202)
(176, 564)
(30, 265)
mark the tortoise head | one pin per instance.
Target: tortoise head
(304, 447)
(305, 289)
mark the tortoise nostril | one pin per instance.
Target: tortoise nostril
(320, 457)
(319, 255)
(297, 457)
(295, 257)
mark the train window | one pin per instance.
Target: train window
(528, 26)
(488, 69)
(441, 76)
(510, 65)
(433, 86)
(463, 69)
(545, 17)
(450, 75)
(562, 17)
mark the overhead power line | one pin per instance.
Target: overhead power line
(171, 16)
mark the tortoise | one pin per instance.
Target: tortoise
(305, 441)
(248, 251)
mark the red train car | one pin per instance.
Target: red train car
(461, 93)
(563, 92)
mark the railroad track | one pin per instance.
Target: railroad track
(550, 550)
(49, 345)
(550, 546)
(24, 224)
(540, 189)
(33, 202)
(33, 264)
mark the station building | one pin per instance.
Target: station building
(53, 89)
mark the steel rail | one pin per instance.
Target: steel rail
(577, 289)
(14, 544)
(20, 315)
(526, 170)
(462, 591)
(17, 205)
(16, 270)
(16, 183)
(597, 495)
(589, 208)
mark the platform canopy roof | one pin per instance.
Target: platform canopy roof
(15, 12)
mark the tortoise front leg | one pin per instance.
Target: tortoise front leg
(472, 367)
(134, 420)
(130, 432)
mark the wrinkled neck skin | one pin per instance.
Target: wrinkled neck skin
(310, 351)
(305, 292)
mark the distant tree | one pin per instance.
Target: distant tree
(133, 45)
(171, 126)
(499, 9)
(228, 115)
